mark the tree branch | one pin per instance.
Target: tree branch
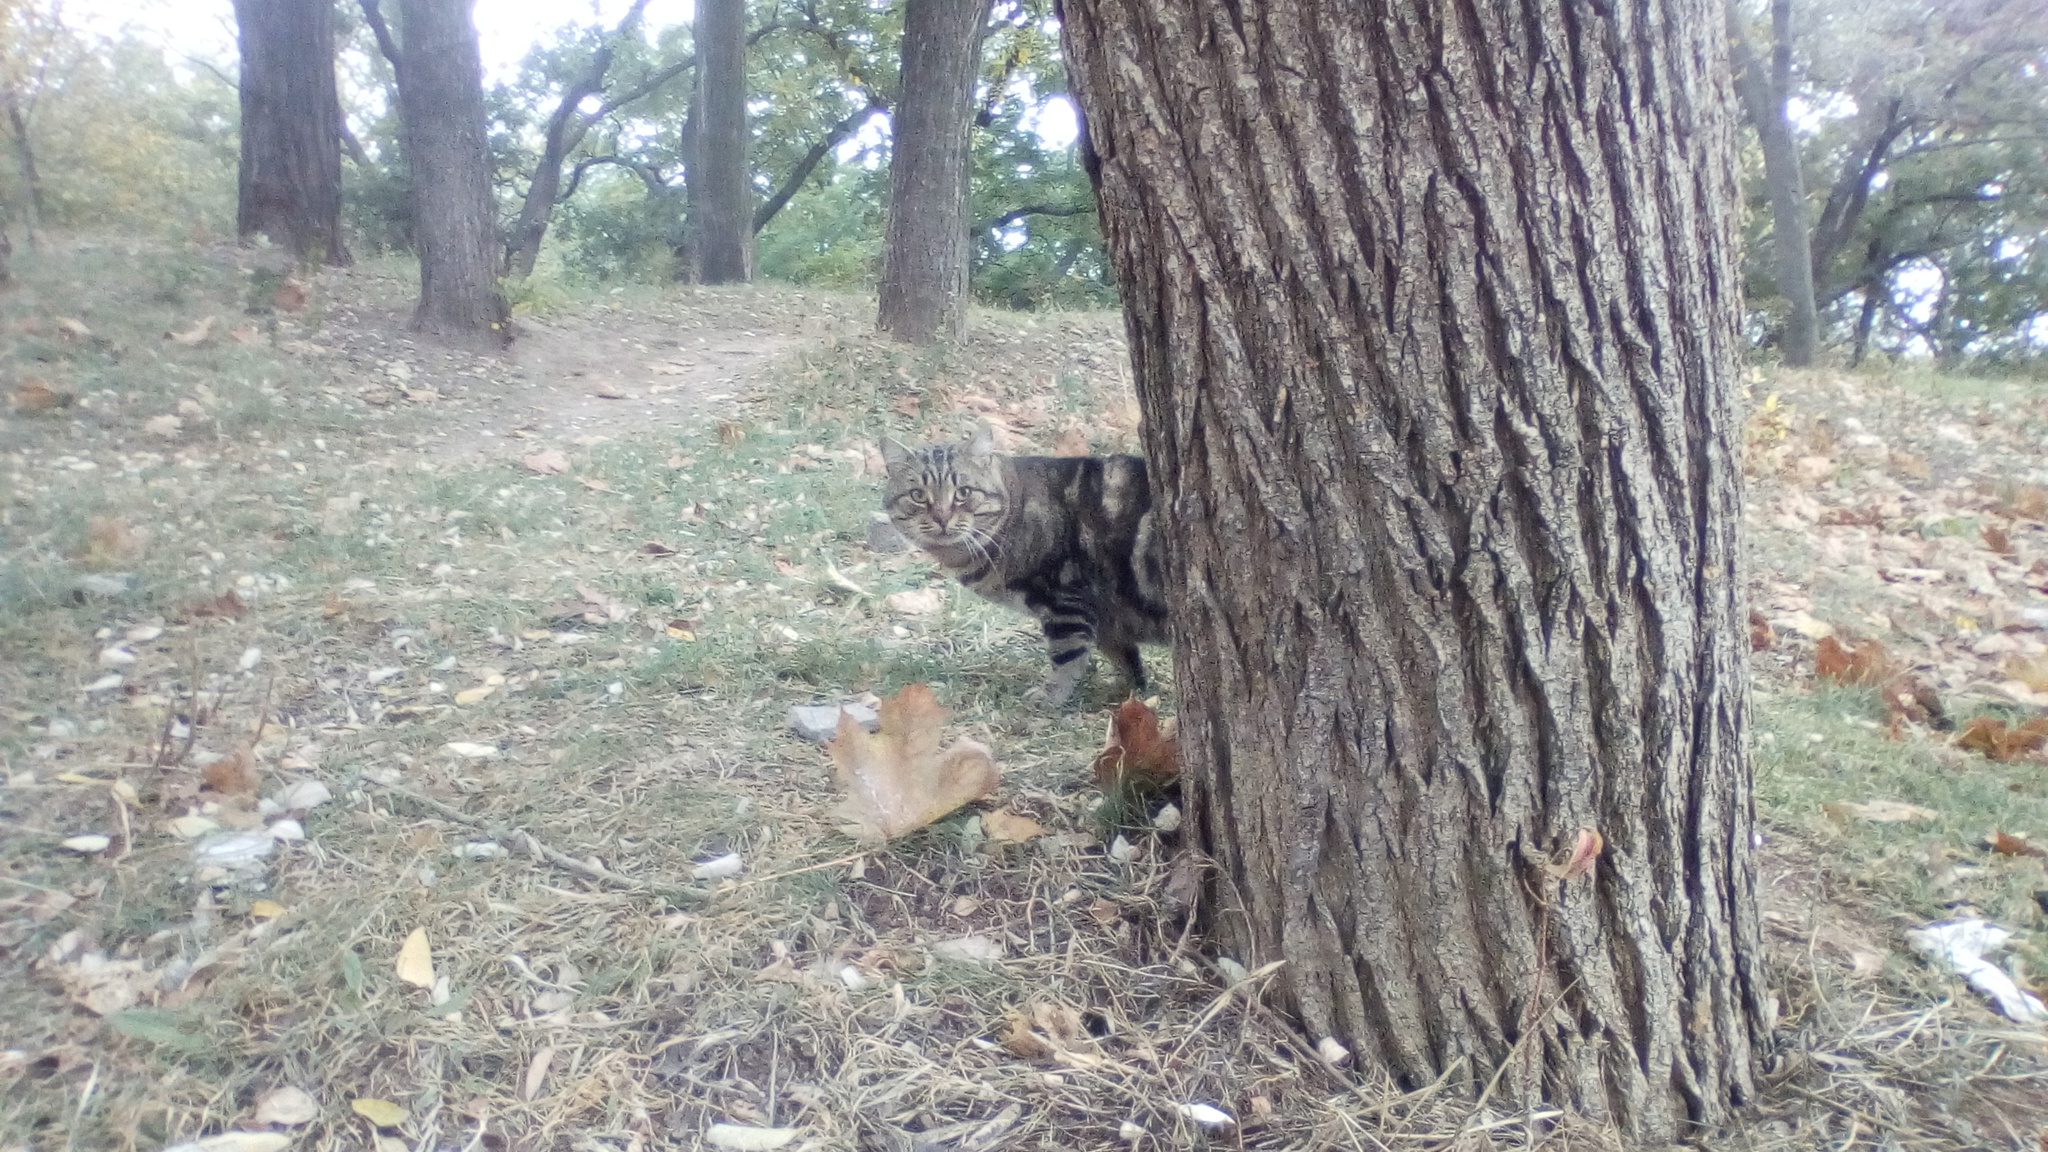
(354, 147)
(385, 43)
(648, 173)
(823, 148)
(654, 81)
(1016, 214)
(1851, 194)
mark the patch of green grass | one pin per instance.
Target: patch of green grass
(1828, 747)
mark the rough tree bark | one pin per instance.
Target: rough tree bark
(290, 180)
(455, 224)
(925, 246)
(1432, 312)
(1763, 96)
(720, 191)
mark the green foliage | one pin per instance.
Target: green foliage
(119, 139)
(820, 72)
(1927, 179)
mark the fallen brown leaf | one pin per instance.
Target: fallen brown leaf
(233, 774)
(1909, 699)
(1998, 540)
(110, 541)
(731, 432)
(1761, 635)
(1865, 663)
(1138, 751)
(36, 396)
(196, 334)
(1585, 851)
(105, 986)
(2007, 844)
(1010, 827)
(2000, 742)
(546, 463)
(226, 606)
(2029, 502)
(656, 548)
(2031, 672)
(1018, 1039)
(899, 779)
(289, 297)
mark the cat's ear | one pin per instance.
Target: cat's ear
(982, 443)
(893, 454)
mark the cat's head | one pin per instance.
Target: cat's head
(945, 495)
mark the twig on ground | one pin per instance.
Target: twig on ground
(534, 845)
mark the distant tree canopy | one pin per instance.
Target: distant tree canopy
(105, 134)
(1921, 133)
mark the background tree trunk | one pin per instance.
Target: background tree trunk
(1432, 312)
(720, 191)
(455, 222)
(290, 182)
(683, 240)
(925, 248)
(564, 132)
(1763, 103)
(31, 176)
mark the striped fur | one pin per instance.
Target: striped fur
(1068, 539)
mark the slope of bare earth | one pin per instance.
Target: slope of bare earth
(370, 786)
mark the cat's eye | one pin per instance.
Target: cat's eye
(970, 493)
(917, 496)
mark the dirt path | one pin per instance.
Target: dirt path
(576, 376)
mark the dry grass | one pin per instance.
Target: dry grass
(598, 993)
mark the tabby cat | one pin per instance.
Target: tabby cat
(1069, 539)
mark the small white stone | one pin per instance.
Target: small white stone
(730, 864)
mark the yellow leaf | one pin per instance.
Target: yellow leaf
(472, 695)
(1008, 826)
(899, 778)
(196, 334)
(77, 778)
(416, 961)
(266, 909)
(382, 1113)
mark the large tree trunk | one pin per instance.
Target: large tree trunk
(455, 222)
(721, 192)
(1433, 318)
(925, 248)
(290, 185)
(1763, 103)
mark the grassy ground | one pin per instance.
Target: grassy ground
(625, 639)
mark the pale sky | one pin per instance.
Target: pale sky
(506, 28)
